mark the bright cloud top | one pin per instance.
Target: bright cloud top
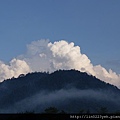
(14, 69)
(43, 55)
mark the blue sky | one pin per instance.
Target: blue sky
(94, 25)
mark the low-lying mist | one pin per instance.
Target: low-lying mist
(69, 100)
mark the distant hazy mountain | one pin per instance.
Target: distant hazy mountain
(68, 90)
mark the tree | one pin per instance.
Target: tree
(51, 110)
(62, 112)
(103, 110)
(81, 111)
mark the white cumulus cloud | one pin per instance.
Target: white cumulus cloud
(43, 55)
(14, 69)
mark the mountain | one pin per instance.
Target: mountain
(68, 90)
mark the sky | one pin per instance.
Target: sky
(91, 24)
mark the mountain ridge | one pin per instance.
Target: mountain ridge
(19, 90)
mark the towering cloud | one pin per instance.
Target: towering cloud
(43, 55)
(68, 56)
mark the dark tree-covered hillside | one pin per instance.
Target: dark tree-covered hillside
(67, 90)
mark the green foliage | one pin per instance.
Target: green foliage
(81, 111)
(117, 112)
(62, 112)
(54, 110)
(51, 110)
(88, 111)
(103, 110)
(27, 112)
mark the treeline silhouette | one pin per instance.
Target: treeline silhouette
(54, 110)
